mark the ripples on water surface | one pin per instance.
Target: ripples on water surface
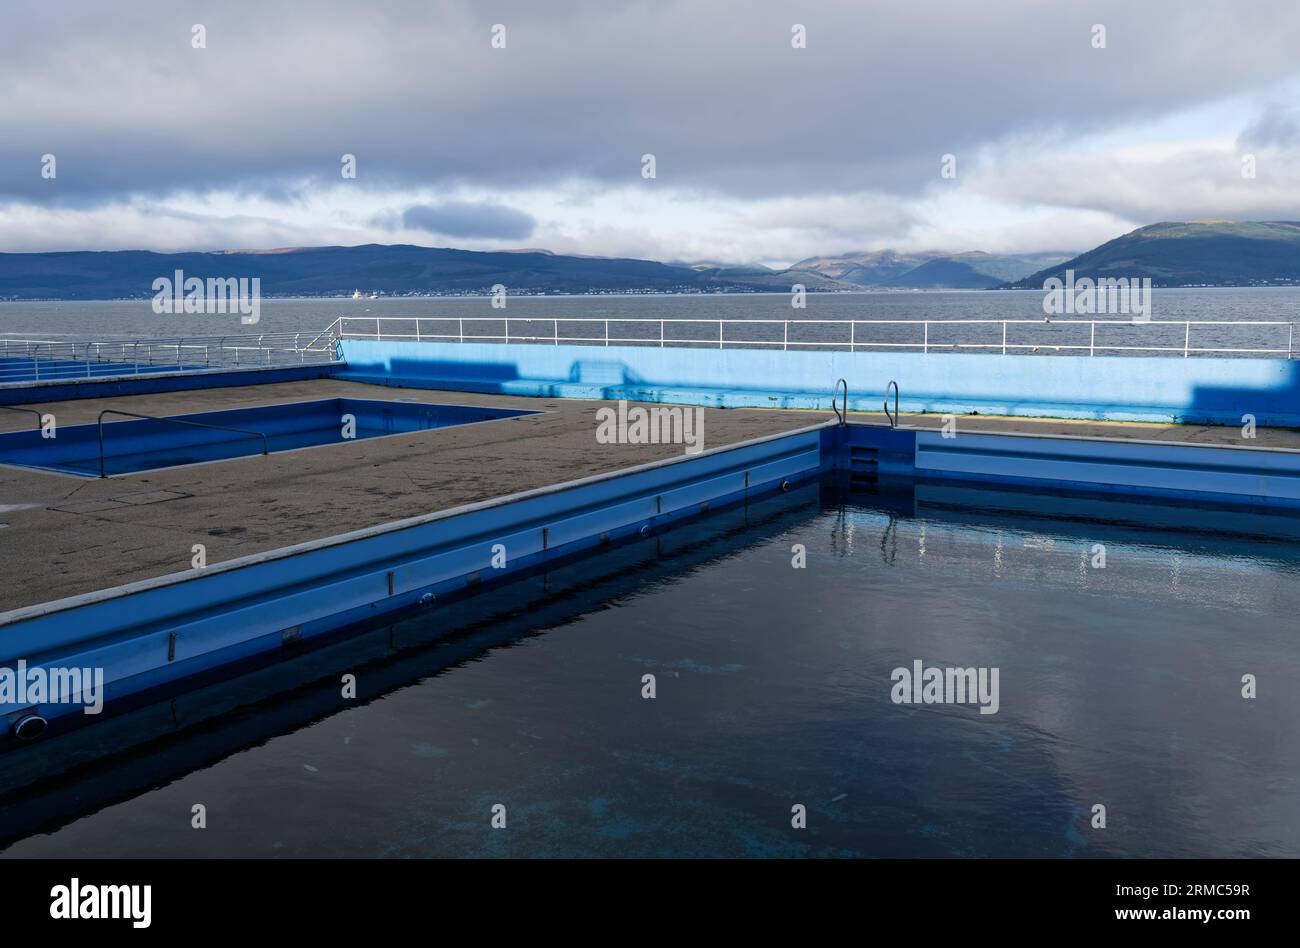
(1118, 686)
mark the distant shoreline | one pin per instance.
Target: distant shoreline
(647, 295)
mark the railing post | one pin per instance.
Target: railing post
(557, 330)
(719, 334)
(607, 332)
(1290, 331)
(461, 321)
(661, 334)
(785, 335)
(1187, 338)
(925, 342)
(417, 328)
(377, 333)
(1092, 337)
(853, 336)
(1004, 337)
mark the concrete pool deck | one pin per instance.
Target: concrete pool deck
(69, 535)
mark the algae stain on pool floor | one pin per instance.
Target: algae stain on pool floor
(1119, 685)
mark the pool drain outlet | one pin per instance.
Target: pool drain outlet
(30, 727)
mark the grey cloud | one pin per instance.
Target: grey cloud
(470, 220)
(583, 89)
(1278, 126)
(1191, 185)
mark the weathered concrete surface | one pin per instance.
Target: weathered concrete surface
(69, 535)
(83, 534)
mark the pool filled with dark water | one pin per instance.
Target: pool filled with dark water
(1118, 685)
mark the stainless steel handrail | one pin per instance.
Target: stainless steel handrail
(40, 418)
(175, 421)
(654, 333)
(53, 359)
(893, 419)
(844, 418)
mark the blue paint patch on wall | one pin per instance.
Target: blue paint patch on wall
(1187, 391)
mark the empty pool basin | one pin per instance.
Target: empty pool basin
(124, 444)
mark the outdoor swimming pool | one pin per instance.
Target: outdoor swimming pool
(145, 444)
(1119, 684)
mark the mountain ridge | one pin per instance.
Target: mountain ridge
(1170, 253)
(1189, 253)
(388, 269)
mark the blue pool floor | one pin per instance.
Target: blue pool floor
(143, 444)
(1119, 686)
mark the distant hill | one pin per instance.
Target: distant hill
(933, 270)
(1192, 253)
(970, 271)
(390, 270)
(868, 268)
(764, 278)
(1196, 253)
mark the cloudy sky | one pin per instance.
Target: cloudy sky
(763, 152)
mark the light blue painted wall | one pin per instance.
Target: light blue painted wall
(1215, 391)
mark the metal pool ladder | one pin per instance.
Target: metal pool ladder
(893, 418)
(40, 418)
(174, 421)
(842, 416)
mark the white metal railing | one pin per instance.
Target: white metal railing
(1035, 336)
(25, 359)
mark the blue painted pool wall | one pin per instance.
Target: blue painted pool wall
(220, 615)
(1189, 391)
(31, 393)
(1189, 473)
(124, 437)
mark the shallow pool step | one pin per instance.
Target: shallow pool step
(1239, 474)
(864, 466)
